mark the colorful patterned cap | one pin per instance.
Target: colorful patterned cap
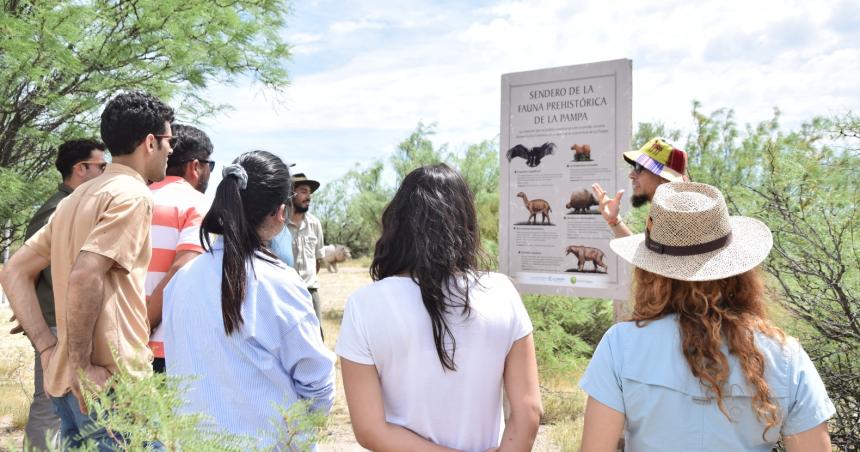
(661, 158)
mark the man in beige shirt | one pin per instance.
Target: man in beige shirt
(98, 246)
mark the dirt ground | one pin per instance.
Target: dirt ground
(16, 357)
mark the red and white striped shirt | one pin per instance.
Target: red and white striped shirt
(177, 214)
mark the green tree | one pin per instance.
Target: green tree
(416, 150)
(350, 208)
(479, 165)
(60, 61)
(804, 185)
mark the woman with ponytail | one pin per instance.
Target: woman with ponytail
(700, 367)
(427, 349)
(237, 320)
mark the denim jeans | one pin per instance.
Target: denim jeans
(76, 428)
(43, 420)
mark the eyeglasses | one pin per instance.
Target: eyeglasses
(210, 162)
(101, 165)
(172, 141)
(637, 168)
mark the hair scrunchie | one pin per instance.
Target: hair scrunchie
(235, 169)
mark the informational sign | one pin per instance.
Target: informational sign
(564, 129)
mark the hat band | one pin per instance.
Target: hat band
(689, 250)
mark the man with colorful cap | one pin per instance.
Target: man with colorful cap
(655, 163)
(307, 233)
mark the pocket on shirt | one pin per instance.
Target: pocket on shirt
(651, 396)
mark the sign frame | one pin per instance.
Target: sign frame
(564, 106)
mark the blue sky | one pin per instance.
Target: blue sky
(365, 72)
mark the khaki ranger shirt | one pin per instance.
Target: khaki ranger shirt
(110, 215)
(307, 248)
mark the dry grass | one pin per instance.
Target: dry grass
(563, 407)
(16, 381)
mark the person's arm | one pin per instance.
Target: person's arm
(156, 300)
(816, 439)
(302, 350)
(602, 429)
(367, 413)
(18, 278)
(523, 390)
(610, 211)
(320, 254)
(85, 298)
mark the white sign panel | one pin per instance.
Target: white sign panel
(563, 129)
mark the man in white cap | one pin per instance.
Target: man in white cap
(655, 163)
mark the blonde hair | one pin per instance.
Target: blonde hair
(709, 312)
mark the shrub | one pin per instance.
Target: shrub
(566, 330)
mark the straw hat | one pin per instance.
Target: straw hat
(691, 237)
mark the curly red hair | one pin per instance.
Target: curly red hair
(709, 312)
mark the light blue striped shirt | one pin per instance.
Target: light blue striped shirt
(276, 358)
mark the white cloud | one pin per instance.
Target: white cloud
(383, 68)
(349, 26)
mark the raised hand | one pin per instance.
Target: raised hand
(609, 207)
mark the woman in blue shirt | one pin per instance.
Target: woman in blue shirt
(238, 322)
(700, 367)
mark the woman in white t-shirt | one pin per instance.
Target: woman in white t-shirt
(427, 349)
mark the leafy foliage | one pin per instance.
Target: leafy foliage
(566, 330)
(15, 192)
(60, 61)
(350, 208)
(139, 412)
(804, 185)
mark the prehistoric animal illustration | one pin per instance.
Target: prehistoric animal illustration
(335, 254)
(532, 156)
(581, 200)
(587, 253)
(536, 206)
(581, 152)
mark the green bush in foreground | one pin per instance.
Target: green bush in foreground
(139, 412)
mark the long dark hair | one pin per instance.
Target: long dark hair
(430, 232)
(235, 214)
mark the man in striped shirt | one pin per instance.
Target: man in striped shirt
(178, 209)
